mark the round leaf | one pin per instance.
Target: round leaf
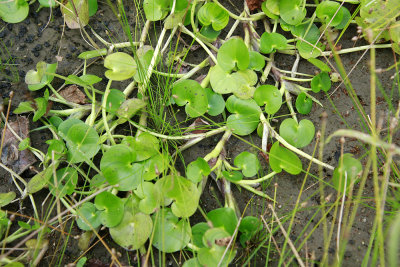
(249, 227)
(192, 95)
(211, 254)
(270, 42)
(145, 145)
(349, 168)
(149, 196)
(269, 96)
(66, 181)
(121, 66)
(14, 11)
(197, 169)
(303, 104)
(246, 117)
(133, 231)
(170, 233)
(89, 218)
(111, 208)
(328, 12)
(155, 9)
(212, 14)
(321, 82)
(118, 167)
(216, 103)
(225, 218)
(233, 176)
(245, 80)
(292, 11)
(82, 142)
(114, 100)
(297, 134)
(233, 53)
(257, 61)
(248, 163)
(282, 158)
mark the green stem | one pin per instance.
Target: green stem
(256, 181)
(356, 49)
(253, 17)
(104, 112)
(255, 191)
(218, 148)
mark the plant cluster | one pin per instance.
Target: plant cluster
(137, 193)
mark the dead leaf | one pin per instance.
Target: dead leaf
(254, 4)
(73, 94)
(17, 160)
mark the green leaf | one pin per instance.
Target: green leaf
(145, 55)
(114, 100)
(234, 176)
(40, 180)
(224, 218)
(24, 144)
(192, 95)
(198, 231)
(297, 134)
(90, 79)
(93, 53)
(282, 158)
(233, 54)
(292, 11)
(257, 61)
(184, 193)
(170, 233)
(245, 81)
(269, 9)
(41, 104)
(249, 227)
(269, 96)
(89, 218)
(155, 9)
(307, 44)
(208, 33)
(129, 108)
(322, 82)
(48, 3)
(149, 197)
(92, 7)
(24, 107)
(216, 103)
(118, 167)
(121, 66)
(111, 209)
(270, 42)
(197, 169)
(14, 11)
(330, 12)
(246, 115)
(319, 64)
(248, 163)
(76, 16)
(212, 14)
(64, 183)
(303, 103)
(41, 77)
(6, 198)
(145, 145)
(346, 173)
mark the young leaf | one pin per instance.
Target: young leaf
(111, 209)
(121, 66)
(270, 42)
(192, 95)
(92, 7)
(166, 224)
(234, 176)
(76, 13)
(212, 14)
(41, 77)
(149, 197)
(346, 172)
(297, 134)
(224, 218)
(269, 96)
(257, 61)
(321, 82)
(292, 11)
(282, 158)
(319, 64)
(248, 163)
(93, 53)
(233, 54)
(303, 104)
(184, 193)
(197, 169)
(6, 198)
(24, 107)
(246, 115)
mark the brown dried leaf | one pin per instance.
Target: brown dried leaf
(254, 4)
(73, 94)
(17, 160)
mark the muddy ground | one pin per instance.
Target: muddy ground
(38, 39)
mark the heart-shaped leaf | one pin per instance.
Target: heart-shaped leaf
(303, 104)
(192, 95)
(145, 145)
(134, 229)
(170, 233)
(209, 34)
(269, 96)
(346, 172)
(322, 82)
(246, 115)
(216, 103)
(198, 231)
(249, 227)
(245, 80)
(224, 218)
(307, 45)
(118, 167)
(282, 158)
(114, 100)
(270, 7)
(248, 163)
(41, 77)
(234, 176)
(197, 169)
(330, 12)
(257, 61)
(154, 166)
(149, 197)
(14, 11)
(297, 134)
(64, 183)
(121, 66)
(212, 14)
(240, 83)
(111, 208)
(184, 193)
(89, 218)
(270, 42)
(233, 54)
(155, 9)
(292, 11)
